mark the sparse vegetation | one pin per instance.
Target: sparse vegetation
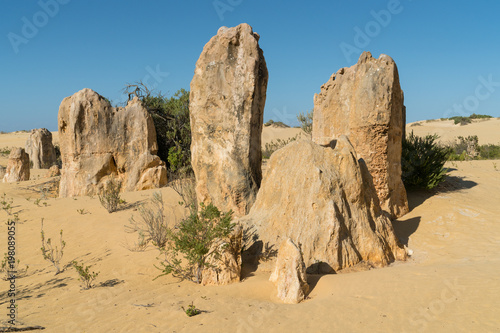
(272, 146)
(468, 148)
(54, 255)
(422, 162)
(467, 120)
(5, 151)
(306, 121)
(197, 238)
(9, 265)
(6, 204)
(191, 310)
(152, 225)
(110, 195)
(86, 276)
(82, 211)
(276, 124)
(185, 187)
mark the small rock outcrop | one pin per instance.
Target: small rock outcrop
(324, 199)
(18, 166)
(54, 171)
(365, 102)
(227, 98)
(289, 275)
(40, 148)
(99, 142)
(227, 268)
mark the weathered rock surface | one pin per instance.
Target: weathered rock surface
(18, 166)
(227, 269)
(227, 98)
(2, 172)
(54, 171)
(324, 199)
(40, 148)
(289, 275)
(365, 102)
(99, 141)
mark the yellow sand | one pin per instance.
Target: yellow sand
(451, 283)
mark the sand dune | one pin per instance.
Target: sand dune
(450, 283)
(487, 130)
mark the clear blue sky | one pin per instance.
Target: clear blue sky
(446, 51)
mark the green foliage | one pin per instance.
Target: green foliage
(191, 310)
(489, 152)
(272, 146)
(54, 255)
(464, 148)
(86, 276)
(422, 162)
(172, 124)
(197, 238)
(152, 225)
(110, 196)
(467, 120)
(306, 121)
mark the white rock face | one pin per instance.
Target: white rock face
(227, 98)
(366, 103)
(289, 274)
(40, 148)
(18, 166)
(99, 142)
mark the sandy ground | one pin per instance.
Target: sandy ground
(450, 284)
(487, 130)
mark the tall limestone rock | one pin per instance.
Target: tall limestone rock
(99, 142)
(324, 199)
(227, 98)
(18, 166)
(40, 148)
(365, 102)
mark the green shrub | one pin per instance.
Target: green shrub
(172, 124)
(191, 310)
(422, 162)
(489, 152)
(306, 121)
(109, 196)
(51, 253)
(152, 225)
(86, 276)
(198, 237)
(272, 146)
(464, 148)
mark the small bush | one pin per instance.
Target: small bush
(110, 196)
(422, 162)
(152, 226)
(10, 266)
(272, 146)
(54, 255)
(464, 148)
(489, 152)
(86, 276)
(306, 121)
(186, 188)
(191, 310)
(197, 238)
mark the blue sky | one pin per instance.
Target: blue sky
(447, 52)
